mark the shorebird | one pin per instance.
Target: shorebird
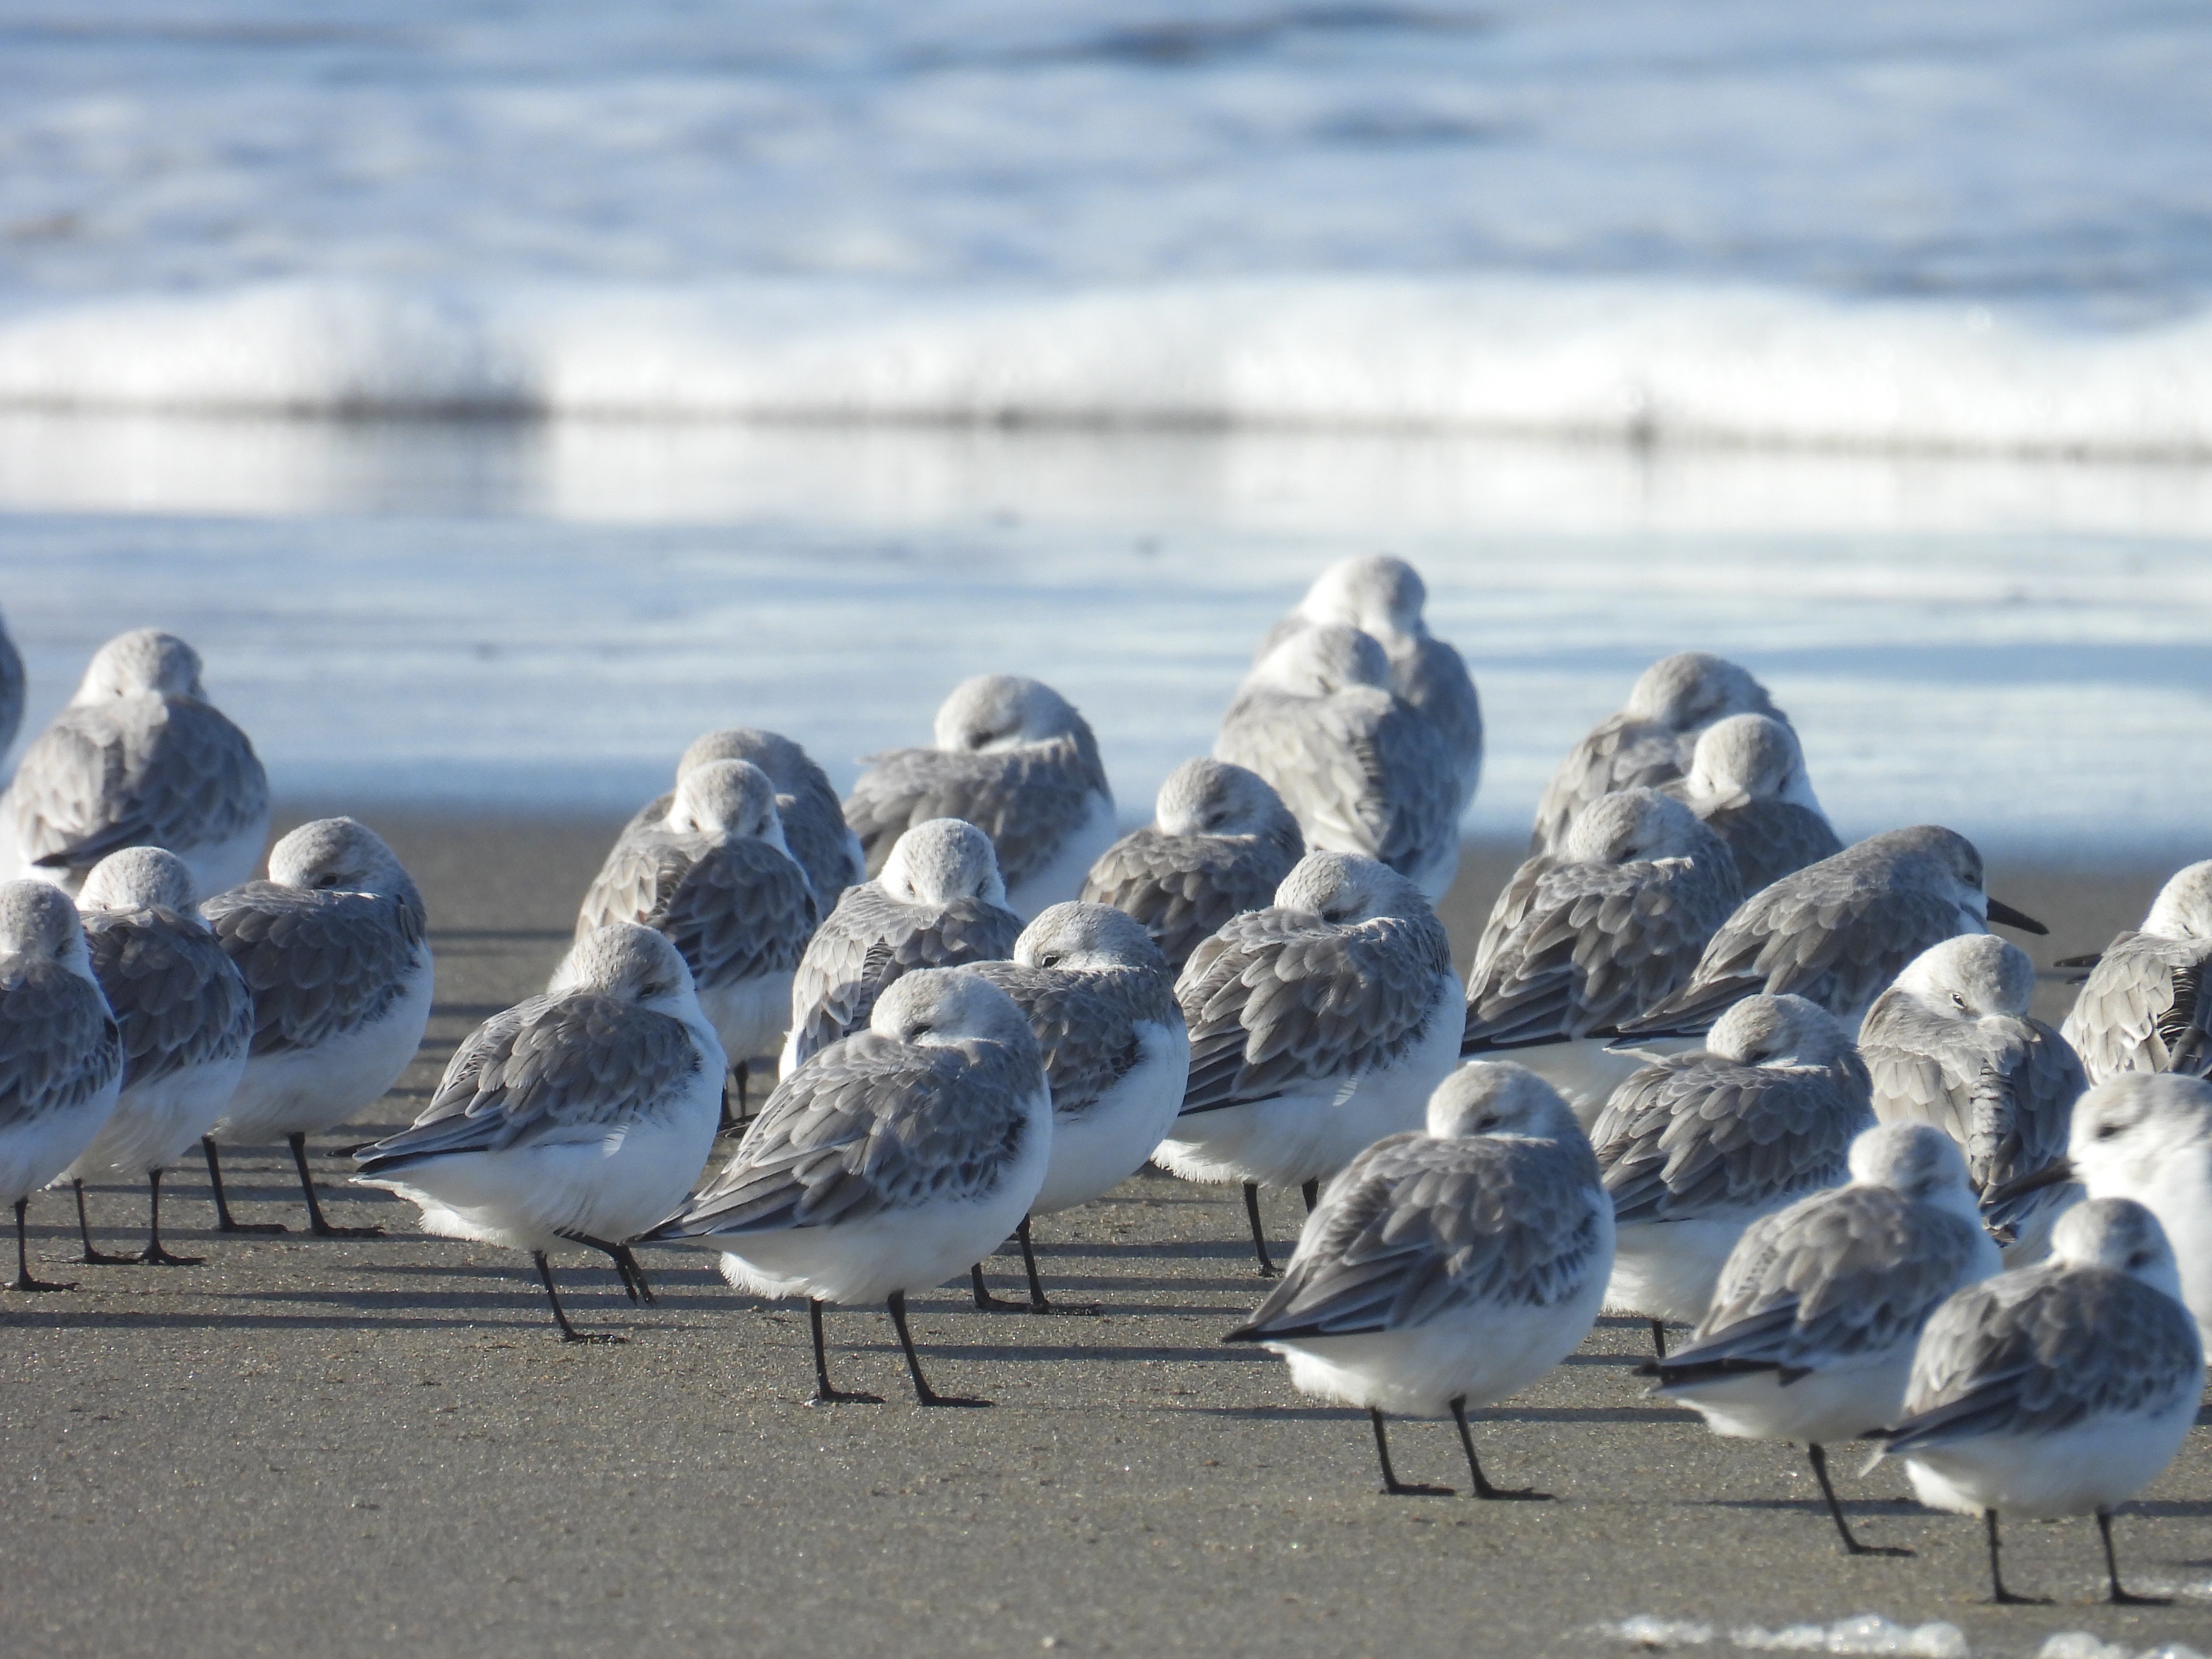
(1361, 769)
(1650, 741)
(1100, 999)
(1837, 933)
(61, 1054)
(1951, 1044)
(939, 904)
(1318, 1026)
(1013, 757)
(2146, 1136)
(335, 949)
(2061, 1389)
(139, 758)
(886, 1163)
(1585, 938)
(715, 877)
(1697, 1146)
(814, 828)
(1384, 597)
(1811, 1331)
(1447, 1268)
(1219, 844)
(187, 1019)
(581, 1117)
(2142, 1007)
(1747, 783)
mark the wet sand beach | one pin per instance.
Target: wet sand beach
(378, 1446)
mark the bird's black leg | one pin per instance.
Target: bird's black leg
(1482, 1487)
(824, 1393)
(223, 1223)
(316, 1225)
(726, 1121)
(1392, 1485)
(1659, 1338)
(1998, 1593)
(1037, 1302)
(1311, 1191)
(922, 1392)
(568, 1333)
(1259, 1233)
(2113, 1592)
(984, 1302)
(624, 1264)
(23, 1280)
(91, 1258)
(1851, 1546)
(154, 1256)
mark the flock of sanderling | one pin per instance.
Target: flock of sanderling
(1710, 1067)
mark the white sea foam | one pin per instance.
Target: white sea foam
(2083, 1645)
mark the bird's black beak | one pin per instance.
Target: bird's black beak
(2050, 1175)
(2000, 911)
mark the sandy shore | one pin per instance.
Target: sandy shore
(378, 1447)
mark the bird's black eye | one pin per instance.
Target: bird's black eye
(1489, 1122)
(1957, 1001)
(1050, 959)
(2140, 1259)
(2107, 1131)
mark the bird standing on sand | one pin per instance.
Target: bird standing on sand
(1219, 844)
(814, 828)
(1951, 1044)
(1448, 1268)
(1361, 769)
(2061, 1388)
(335, 950)
(1813, 1326)
(1014, 758)
(187, 1019)
(1318, 1026)
(139, 758)
(2143, 1007)
(1100, 999)
(1697, 1146)
(1649, 743)
(581, 1117)
(1747, 783)
(61, 1054)
(886, 1163)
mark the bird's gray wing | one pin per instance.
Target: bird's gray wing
(176, 998)
(1183, 888)
(1696, 1134)
(145, 772)
(2037, 1351)
(643, 865)
(1434, 679)
(59, 1047)
(2143, 1009)
(741, 911)
(1923, 1067)
(869, 1126)
(1593, 945)
(2021, 1112)
(318, 964)
(1086, 1024)
(1416, 1227)
(1028, 800)
(1855, 1270)
(1619, 753)
(1278, 998)
(814, 828)
(1773, 839)
(871, 939)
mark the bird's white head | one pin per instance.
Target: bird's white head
(1322, 661)
(2119, 1235)
(629, 963)
(941, 860)
(999, 711)
(1206, 797)
(784, 760)
(937, 1007)
(1078, 937)
(38, 922)
(138, 878)
(1376, 593)
(1784, 1030)
(726, 797)
(2183, 909)
(1497, 1097)
(1692, 688)
(1918, 1160)
(2128, 1130)
(1344, 888)
(1972, 976)
(340, 855)
(1634, 826)
(1747, 758)
(144, 661)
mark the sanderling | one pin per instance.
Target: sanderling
(1447, 1268)
(1695, 1147)
(1582, 938)
(2147, 1136)
(581, 1117)
(139, 758)
(1950, 1043)
(1318, 1026)
(939, 904)
(2142, 1007)
(1812, 1328)
(814, 828)
(335, 949)
(11, 691)
(1014, 758)
(1362, 770)
(1220, 842)
(1384, 598)
(61, 1054)
(715, 877)
(1101, 999)
(2061, 1389)
(1838, 932)
(1746, 782)
(888, 1163)
(1650, 742)
(187, 1021)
